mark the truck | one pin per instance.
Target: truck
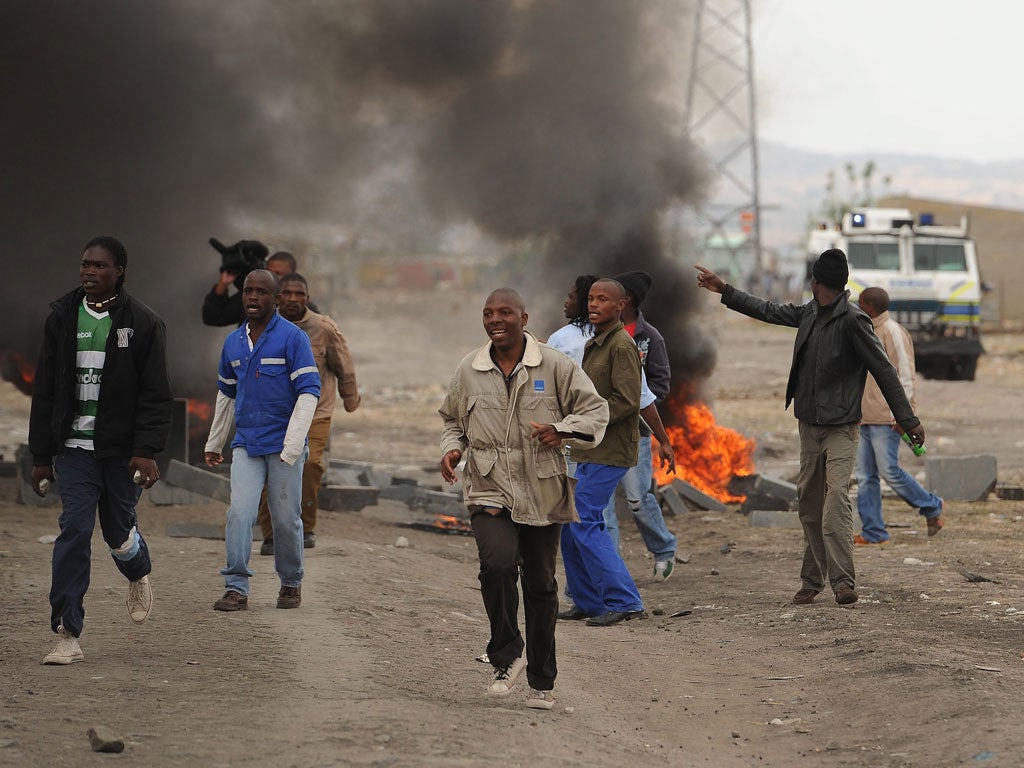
(930, 272)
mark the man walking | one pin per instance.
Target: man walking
(337, 377)
(602, 590)
(100, 414)
(510, 406)
(878, 450)
(835, 348)
(636, 483)
(268, 387)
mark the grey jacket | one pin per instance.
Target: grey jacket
(490, 424)
(847, 350)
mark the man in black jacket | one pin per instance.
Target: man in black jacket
(835, 348)
(101, 412)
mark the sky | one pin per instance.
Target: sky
(919, 77)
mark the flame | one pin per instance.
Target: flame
(19, 370)
(200, 410)
(708, 456)
(450, 523)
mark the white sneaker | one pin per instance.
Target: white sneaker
(663, 569)
(67, 650)
(540, 699)
(505, 677)
(139, 600)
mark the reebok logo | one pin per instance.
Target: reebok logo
(85, 334)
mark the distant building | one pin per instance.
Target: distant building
(998, 234)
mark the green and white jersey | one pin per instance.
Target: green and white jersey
(93, 329)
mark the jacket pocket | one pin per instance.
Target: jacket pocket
(549, 463)
(481, 474)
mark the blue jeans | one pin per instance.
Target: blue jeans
(594, 572)
(878, 457)
(88, 485)
(284, 493)
(645, 508)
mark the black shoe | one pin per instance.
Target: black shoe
(575, 613)
(267, 547)
(613, 617)
(309, 540)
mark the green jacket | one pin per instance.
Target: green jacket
(612, 362)
(490, 424)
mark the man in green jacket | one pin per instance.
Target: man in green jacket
(602, 590)
(510, 406)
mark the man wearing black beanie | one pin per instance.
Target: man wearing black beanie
(835, 349)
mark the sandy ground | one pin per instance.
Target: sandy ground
(377, 667)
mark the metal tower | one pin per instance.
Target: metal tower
(721, 116)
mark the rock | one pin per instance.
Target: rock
(401, 541)
(103, 739)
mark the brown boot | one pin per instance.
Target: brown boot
(845, 595)
(934, 524)
(805, 596)
(232, 601)
(289, 597)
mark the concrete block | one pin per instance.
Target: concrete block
(344, 476)
(165, 495)
(741, 485)
(673, 501)
(198, 480)
(961, 478)
(347, 498)
(755, 500)
(399, 492)
(696, 498)
(774, 487)
(438, 502)
(774, 518)
(23, 460)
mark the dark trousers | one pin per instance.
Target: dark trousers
(505, 548)
(88, 485)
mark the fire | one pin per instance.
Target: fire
(19, 370)
(708, 456)
(200, 410)
(450, 523)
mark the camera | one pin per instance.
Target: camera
(241, 258)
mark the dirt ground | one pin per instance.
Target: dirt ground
(377, 667)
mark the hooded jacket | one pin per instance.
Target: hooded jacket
(135, 403)
(846, 350)
(490, 423)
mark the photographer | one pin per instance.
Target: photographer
(219, 307)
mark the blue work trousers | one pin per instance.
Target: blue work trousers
(595, 574)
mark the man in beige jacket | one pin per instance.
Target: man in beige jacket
(510, 406)
(879, 445)
(337, 377)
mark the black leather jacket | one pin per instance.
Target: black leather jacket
(847, 349)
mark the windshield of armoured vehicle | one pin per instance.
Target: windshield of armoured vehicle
(939, 257)
(874, 255)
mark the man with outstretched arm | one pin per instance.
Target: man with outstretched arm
(835, 348)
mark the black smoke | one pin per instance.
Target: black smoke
(556, 123)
